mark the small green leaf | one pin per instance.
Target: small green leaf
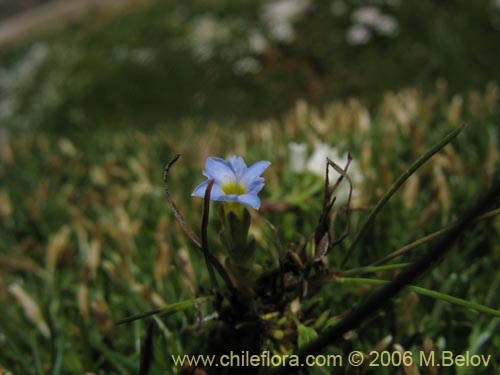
(306, 334)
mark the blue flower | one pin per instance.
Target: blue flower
(233, 181)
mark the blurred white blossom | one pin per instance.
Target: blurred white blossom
(317, 165)
(257, 42)
(386, 25)
(280, 15)
(21, 73)
(297, 157)
(25, 68)
(366, 15)
(247, 65)
(206, 34)
(317, 162)
(367, 20)
(358, 34)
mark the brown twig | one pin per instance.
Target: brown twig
(177, 214)
(180, 219)
(322, 236)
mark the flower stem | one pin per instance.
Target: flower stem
(180, 219)
(204, 235)
(373, 269)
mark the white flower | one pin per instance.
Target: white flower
(247, 65)
(15, 78)
(25, 68)
(257, 42)
(297, 160)
(279, 16)
(358, 34)
(372, 18)
(386, 25)
(366, 15)
(317, 165)
(207, 33)
(317, 162)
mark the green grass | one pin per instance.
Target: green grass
(87, 233)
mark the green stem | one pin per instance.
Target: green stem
(168, 309)
(373, 269)
(426, 292)
(36, 357)
(56, 368)
(399, 182)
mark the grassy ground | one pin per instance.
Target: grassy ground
(87, 237)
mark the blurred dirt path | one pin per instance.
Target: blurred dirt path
(49, 15)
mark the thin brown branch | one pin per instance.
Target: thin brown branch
(177, 214)
(180, 219)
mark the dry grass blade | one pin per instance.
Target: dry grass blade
(31, 309)
(13, 263)
(343, 174)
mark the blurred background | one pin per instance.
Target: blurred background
(80, 64)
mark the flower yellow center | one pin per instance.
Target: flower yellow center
(233, 188)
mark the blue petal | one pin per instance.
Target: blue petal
(255, 186)
(199, 191)
(238, 164)
(254, 172)
(215, 194)
(249, 200)
(220, 170)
